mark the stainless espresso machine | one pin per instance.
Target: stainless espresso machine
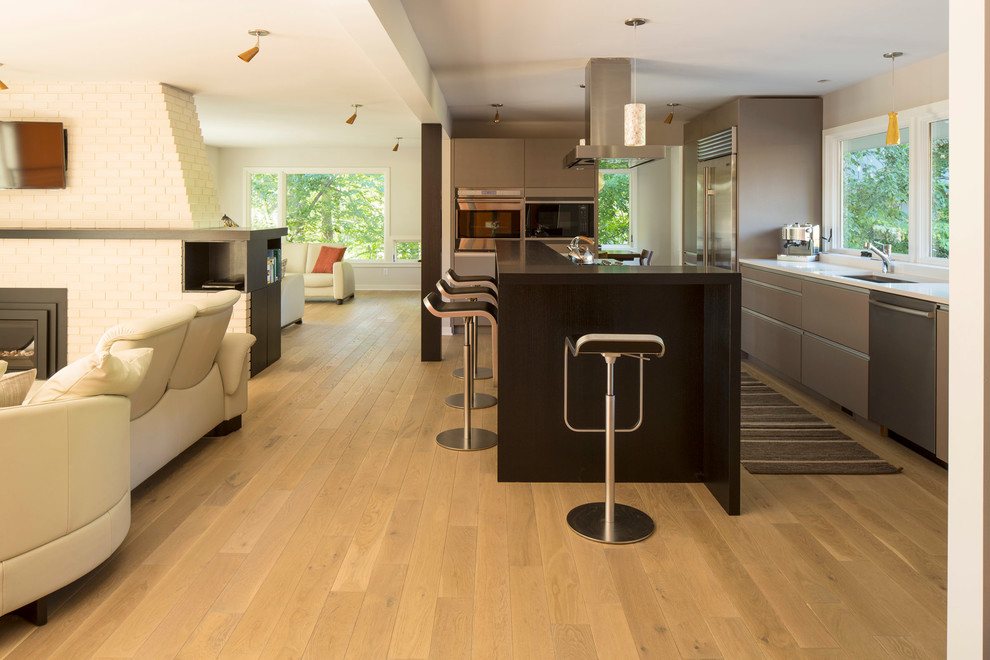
(799, 242)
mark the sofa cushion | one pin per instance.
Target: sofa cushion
(202, 340)
(15, 385)
(295, 256)
(318, 280)
(102, 372)
(327, 258)
(313, 253)
(3, 367)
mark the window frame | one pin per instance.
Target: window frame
(918, 121)
(631, 173)
(388, 240)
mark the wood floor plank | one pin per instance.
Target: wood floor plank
(564, 595)
(452, 629)
(573, 642)
(492, 625)
(531, 635)
(734, 638)
(334, 626)
(650, 628)
(371, 635)
(613, 639)
(457, 575)
(802, 623)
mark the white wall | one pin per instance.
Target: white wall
(404, 193)
(657, 208)
(915, 85)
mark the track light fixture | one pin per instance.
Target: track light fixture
(350, 120)
(2, 86)
(249, 54)
(396, 147)
(497, 119)
(893, 132)
(670, 116)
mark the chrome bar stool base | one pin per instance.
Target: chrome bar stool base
(481, 373)
(477, 439)
(480, 400)
(630, 524)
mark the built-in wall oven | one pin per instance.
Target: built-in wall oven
(560, 218)
(486, 215)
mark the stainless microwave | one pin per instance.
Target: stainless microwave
(560, 219)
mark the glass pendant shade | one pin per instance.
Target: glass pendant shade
(2, 86)
(249, 54)
(893, 132)
(634, 125)
(669, 118)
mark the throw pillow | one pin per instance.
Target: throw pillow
(327, 258)
(102, 372)
(14, 386)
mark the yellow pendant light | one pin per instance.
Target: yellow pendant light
(350, 120)
(634, 114)
(893, 132)
(497, 119)
(670, 116)
(396, 147)
(249, 54)
(2, 86)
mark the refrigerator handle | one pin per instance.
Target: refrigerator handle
(709, 195)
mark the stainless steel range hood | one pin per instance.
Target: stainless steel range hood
(607, 89)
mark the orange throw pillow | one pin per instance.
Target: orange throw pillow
(327, 258)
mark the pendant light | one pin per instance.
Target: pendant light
(249, 54)
(350, 120)
(893, 132)
(2, 86)
(670, 116)
(497, 119)
(396, 147)
(634, 114)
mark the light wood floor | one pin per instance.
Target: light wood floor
(332, 526)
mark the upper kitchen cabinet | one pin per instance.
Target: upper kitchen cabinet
(489, 163)
(545, 171)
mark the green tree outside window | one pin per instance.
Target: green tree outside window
(613, 208)
(875, 192)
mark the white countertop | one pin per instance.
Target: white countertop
(929, 289)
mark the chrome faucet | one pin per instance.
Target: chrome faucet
(884, 254)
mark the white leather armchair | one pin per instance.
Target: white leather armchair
(65, 501)
(301, 258)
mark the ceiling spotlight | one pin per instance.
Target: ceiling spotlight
(497, 119)
(670, 115)
(350, 120)
(2, 86)
(249, 54)
(396, 147)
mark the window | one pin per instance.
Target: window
(332, 206)
(614, 219)
(897, 194)
(407, 250)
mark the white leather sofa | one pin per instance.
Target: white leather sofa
(65, 496)
(196, 383)
(293, 298)
(301, 258)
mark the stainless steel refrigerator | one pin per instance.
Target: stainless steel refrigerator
(716, 221)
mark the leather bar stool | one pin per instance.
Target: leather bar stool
(607, 521)
(461, 281)
(467, 438)
(472, 293)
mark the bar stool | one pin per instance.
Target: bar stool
(607, 521)
(458, 291)
(471, 294)
(466, 439)
(471, 280)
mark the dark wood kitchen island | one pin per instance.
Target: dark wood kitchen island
(690, 430)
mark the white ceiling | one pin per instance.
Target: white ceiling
(527, 54)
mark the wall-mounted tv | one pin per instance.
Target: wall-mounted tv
(32, 154)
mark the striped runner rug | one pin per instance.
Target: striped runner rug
(777, 436)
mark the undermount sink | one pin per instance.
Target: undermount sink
(881, 279)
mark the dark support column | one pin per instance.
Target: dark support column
(432, 237)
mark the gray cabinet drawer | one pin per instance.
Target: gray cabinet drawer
(773, 301)
(836, 373)
(776, 279)
(837, 314)
(773, 343)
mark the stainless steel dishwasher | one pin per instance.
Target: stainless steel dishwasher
(902, 366)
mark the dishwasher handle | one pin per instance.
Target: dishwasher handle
(903, 310)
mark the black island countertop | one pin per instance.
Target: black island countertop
(690, 430)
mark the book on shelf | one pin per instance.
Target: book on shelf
(223, 284)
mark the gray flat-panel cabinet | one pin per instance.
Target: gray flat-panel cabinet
(489, 163)
(837, 314)
(836, 373)
(545, 166)
(776, 344)
(942, 384)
